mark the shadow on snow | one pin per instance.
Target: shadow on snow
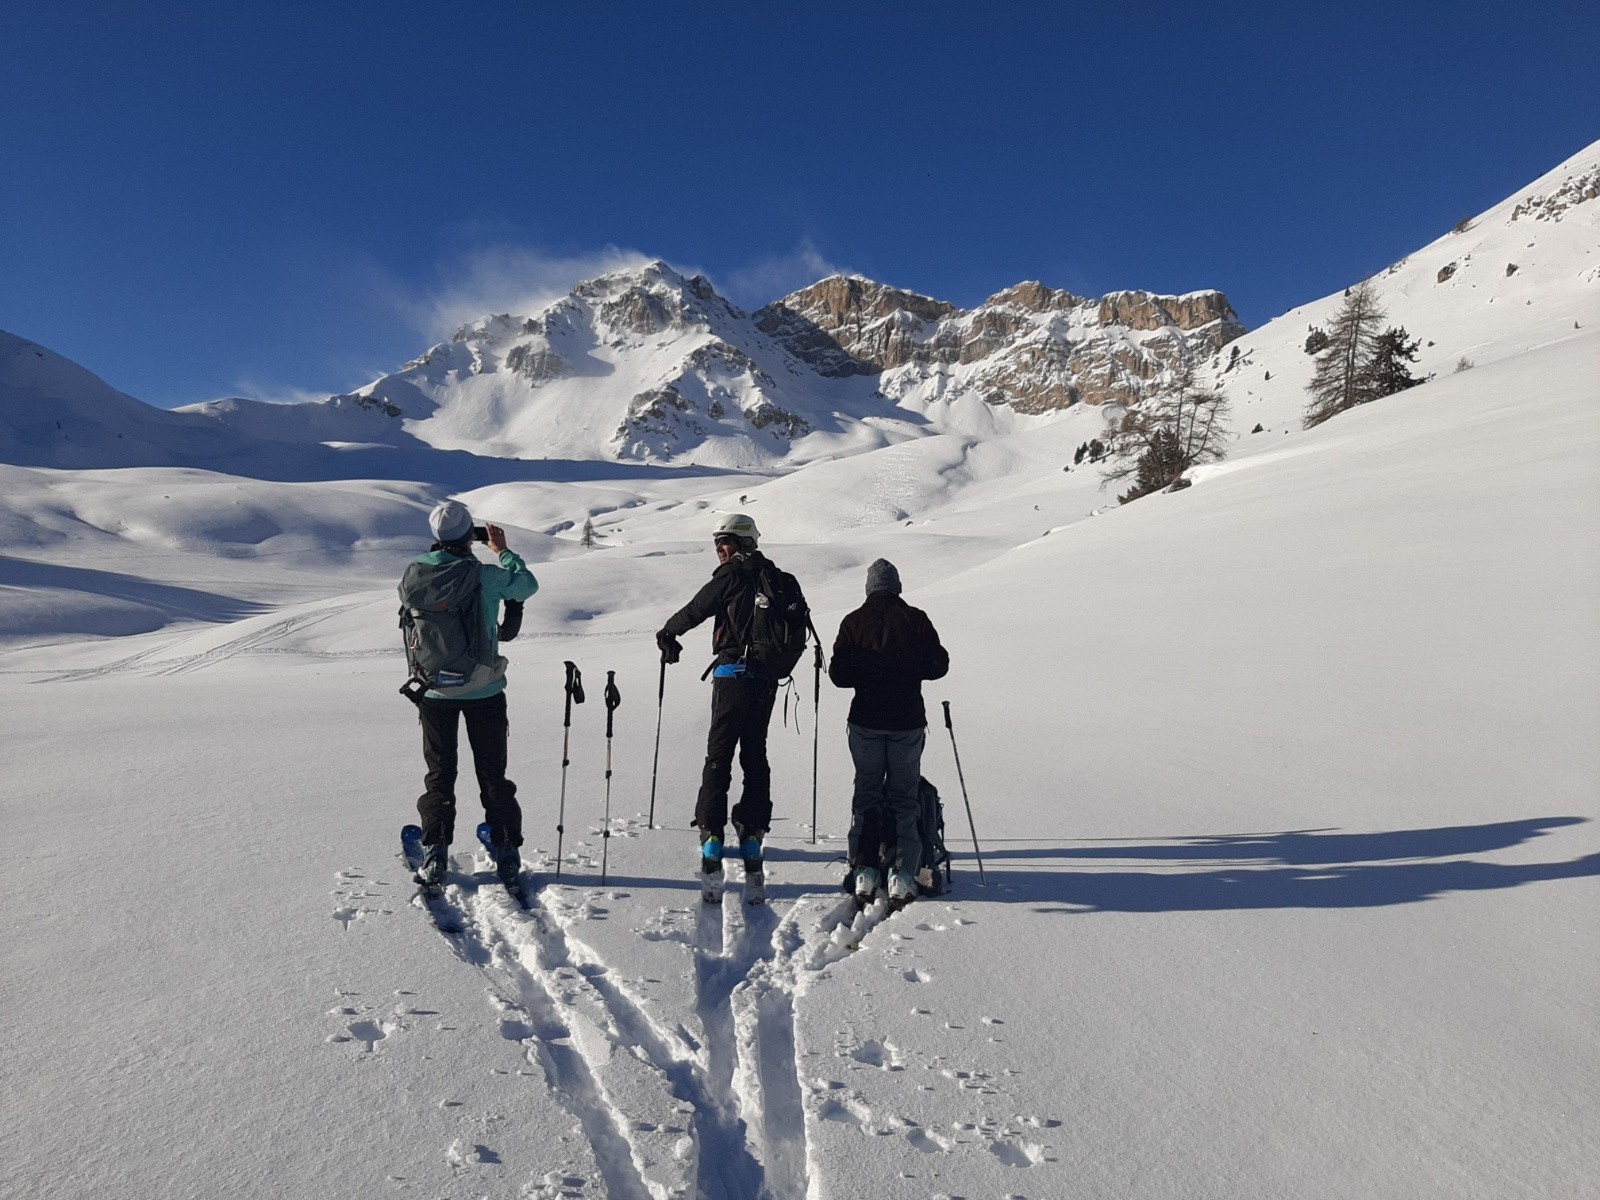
(1293, 869)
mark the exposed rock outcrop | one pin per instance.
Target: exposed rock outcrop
(535, 363)
(1031, 347)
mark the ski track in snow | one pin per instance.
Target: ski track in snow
(155, 661)
(159, 660)
(668, 1115)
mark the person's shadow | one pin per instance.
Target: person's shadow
(1317, 868)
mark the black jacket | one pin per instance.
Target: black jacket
(885, 649)
(729, 598)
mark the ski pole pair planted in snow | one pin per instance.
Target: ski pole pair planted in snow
(574, 695)
(816, 716)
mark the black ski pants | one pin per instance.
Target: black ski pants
(487, 731)
(740, 712)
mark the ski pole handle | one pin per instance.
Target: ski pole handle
(574, 683)
(947, 724)
(613, 699)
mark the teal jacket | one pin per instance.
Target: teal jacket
(511, 580)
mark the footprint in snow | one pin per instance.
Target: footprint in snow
(369, 1032)
(1017, 1154)
(357, 901)
(927, 1141)
(462, 1154)
(883, 1055)
(514, 1030)
(846, 1111)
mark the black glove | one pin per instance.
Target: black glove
(511, 623)
(670, 650)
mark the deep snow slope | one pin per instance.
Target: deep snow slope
(1523, 274)
(1286, 798)
(55, 413)
(1285, 783)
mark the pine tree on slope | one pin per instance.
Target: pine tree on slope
(1158, 440)
(1388, 367)
(1343, 378)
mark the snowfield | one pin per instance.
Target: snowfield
(1286, 786)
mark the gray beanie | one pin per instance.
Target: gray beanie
(450, 522)
(882, 577)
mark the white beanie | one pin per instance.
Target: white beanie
(450, 522)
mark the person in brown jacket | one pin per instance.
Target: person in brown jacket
(885, 649)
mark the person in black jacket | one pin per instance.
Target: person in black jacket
(885, 649)
(742, 696)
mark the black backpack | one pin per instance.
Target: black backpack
(878, 842)
(779, 622)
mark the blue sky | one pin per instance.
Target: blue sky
(286, 199)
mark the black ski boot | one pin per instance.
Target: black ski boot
(508, 864)
(435, 862)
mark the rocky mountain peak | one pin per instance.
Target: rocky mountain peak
(1031, 347)
(1033, 296)
(1145, 310)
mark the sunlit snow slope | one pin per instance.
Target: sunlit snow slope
(1285, 783)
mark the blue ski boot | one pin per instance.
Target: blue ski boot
(711, 870)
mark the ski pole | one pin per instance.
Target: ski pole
(975, 852)
(613, 698)
(655, 761)
(816, 731)
(574, 689)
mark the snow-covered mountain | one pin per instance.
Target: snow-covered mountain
(1524, 273)
(55, 413)
(649, 365)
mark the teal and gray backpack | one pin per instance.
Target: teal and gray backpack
(441, 622)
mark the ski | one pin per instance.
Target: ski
(755, 887)
(711, 885)
(518, 887)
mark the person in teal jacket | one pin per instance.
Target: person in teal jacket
(484, 708)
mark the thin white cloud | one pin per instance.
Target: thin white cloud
(774, 276)
(506, 279)
(267, 393)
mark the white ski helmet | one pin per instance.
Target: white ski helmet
(737, 525)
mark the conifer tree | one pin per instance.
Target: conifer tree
(1159, 440)
(1388, 367)
(590, 538)
(1343, 378)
